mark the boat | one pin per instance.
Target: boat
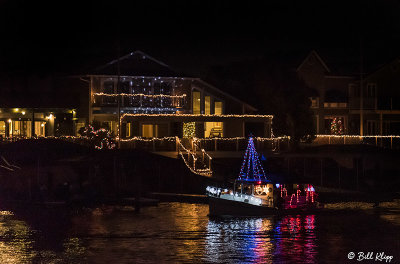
(254, 194)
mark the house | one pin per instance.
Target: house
(151, 100)
(380, 100)
(26, 113)
(341, 107)
(329, 95)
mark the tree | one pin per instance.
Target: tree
(100, 139)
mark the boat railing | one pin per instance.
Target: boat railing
(235, 196)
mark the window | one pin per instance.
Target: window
(218, 108)
(372, 127)
(354, 90)
(40, 128)
(124, 87)
(109, 89)
(196, 102)
(371, 89)
(147, 130)
(335, 125)
(128, 131)
(314, 102)
(79, 126)
(2, 128)
(207, 103)
(213, 129)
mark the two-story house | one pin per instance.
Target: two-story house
(378, 102)
(329, 97)
(144, 97)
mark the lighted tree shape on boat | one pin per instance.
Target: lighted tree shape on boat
(251, 169)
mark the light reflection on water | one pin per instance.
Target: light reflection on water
(183, 233)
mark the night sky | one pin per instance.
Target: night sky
(72, 36)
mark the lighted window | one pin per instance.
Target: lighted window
(314, 102)
(218, 108)
(213, 129)
(207, 104)
(196, 102)
(40, 128)
(79, 126)
(128, 129)
(2, 128)
(147, 131)
(371, 89)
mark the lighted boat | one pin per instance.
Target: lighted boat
(253, 194)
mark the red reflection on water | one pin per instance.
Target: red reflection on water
(295, 239)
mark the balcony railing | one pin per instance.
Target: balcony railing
(138, 100)
(391, 141)
(335, 105)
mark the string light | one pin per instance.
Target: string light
(196, 115)
(356, 136)
(254, 172)
(189, 129)
(337, 126)
(95, 135)
(149, 140)
(141, 94)
(202, 172)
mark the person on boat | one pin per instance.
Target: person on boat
(278, 200)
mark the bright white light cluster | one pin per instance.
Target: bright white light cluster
(214, 191)
(198, 115)
(144, 95)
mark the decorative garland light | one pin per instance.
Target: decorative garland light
(149, 140)
(197, 115)
(141, 94)
(253, 171)
(189, 129)
(201, 172)
(337, 126)
(356, 136)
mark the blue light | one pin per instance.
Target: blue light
(277, 185)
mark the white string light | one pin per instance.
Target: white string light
(196, 115)
(356, 136)
(144, 95)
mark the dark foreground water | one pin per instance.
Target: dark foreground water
(183, 233)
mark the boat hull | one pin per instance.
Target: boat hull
(224, 207)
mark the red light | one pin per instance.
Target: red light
(259, 182)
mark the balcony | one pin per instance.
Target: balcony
(335, 105)
(138, 100)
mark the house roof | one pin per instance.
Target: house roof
(313, 52)
(346, 62)
(136, 63)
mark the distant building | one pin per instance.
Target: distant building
(329, 95)
(381, 100)
(152, 100)
(26, 113)
(338, 104)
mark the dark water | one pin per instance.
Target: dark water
(183, 233)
